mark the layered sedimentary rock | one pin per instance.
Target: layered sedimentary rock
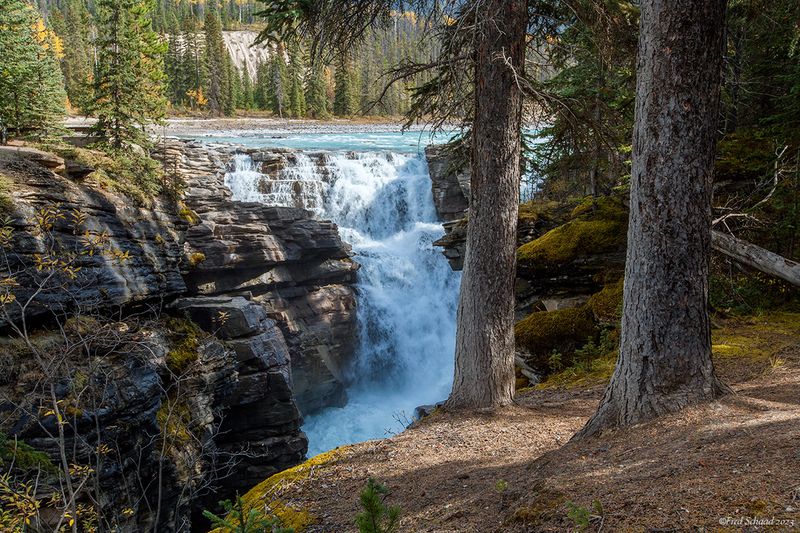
(294, 265)
(184, 339)
(81, 219)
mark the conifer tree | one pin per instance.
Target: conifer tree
(261, 91)
(218, 87)
(194, 64)
(297, 97)
(247, 101)
(129, 82)
(317, 97)
(278, 82)
(344, 101)
(32, 92)
(72, 24)
(232, 86)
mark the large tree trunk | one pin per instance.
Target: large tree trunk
(484, 372)
(665, 354)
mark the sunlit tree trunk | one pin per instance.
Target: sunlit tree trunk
(665, 354)
(484, 371)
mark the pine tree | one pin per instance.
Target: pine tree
(247, 101)
(129, 83)
(194, 65)
(344, 101)
(278, 83)
(233, 86)
(218, 87)
(297, 97)
(261, 91)
(317, 96)
(32, 92)
(72, 24)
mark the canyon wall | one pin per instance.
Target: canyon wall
(172, 347)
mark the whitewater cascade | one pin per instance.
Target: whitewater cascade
(407, 293)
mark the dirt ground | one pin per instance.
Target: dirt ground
(722, 466)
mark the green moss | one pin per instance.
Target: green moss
(185, 338)
(187, 215)
(758, 339)
(268, 497)
(174, 418)
(6, 200)
(582, 376)
(606, 305)
(23, 456)
(740, 346)
(597, 226)
(537, 209)
(133, 174)
(542, 333)
(196, 259)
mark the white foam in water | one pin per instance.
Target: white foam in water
(407, 293)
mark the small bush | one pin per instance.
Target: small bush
(563, 330)
(185, 337)
(196, 259)
(238, 520)
(377, 517)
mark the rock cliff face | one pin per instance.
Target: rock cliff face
(296, 267)
(149, 236)
(182, 341)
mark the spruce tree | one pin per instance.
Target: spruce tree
(261, 92)
(232, 86)
(129, 83)
(73, 24)
(317, 98)
(297, 97)
(247, 101)
(194, 64)
(278, 83)
(218, 87)
(32, 95)
(344, 100)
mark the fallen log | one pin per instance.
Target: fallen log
(756, 257)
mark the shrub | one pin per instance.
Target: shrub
(377, 517)
(238, 520)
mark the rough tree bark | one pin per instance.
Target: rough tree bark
(484, 371)
(665, 353)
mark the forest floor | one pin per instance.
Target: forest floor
(727, 465)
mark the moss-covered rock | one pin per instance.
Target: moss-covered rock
(270, 496)
(597, 226)
(606, 305)
(6, 201)
(544, 332)
(22, 456)
(185, 337)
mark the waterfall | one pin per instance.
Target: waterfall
(407, 293)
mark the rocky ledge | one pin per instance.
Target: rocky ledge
(165, 350)
(295, 266)
(570, 262)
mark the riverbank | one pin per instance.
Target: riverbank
(190, 126)
(714, 466)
